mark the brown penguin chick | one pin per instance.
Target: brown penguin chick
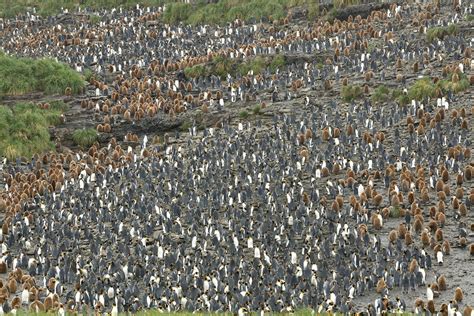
(377, 221)
(425, 238)
(392, 236)
(439, 185)
(413, 265)
(443, 310)
(471, 249)
(455, 203)
(463, 210)
(16, 303)
(418, 225)
(439, 234)
(441, 196)
(462, 242)
(433, 225)
(445, 176)
(325, 172)
(12, 286)
(468, 173)
(381, 285)
(468, 311)
(48, 303)
(458, 295)
(446, 247)
(408, 238)
(395, 201)
(402, 229)
(377, 200)
(430, 306)
(415, 67)
(459, 193)
(442, 283)
(419, 303)
(37, 306)
(3, 267)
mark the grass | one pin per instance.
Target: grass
(394, 211)
(470, 17)
(381, 94)
(425, 88)
(26, 75)
(11, 8)
(441, 32)
(257, 110)
(350, 93)
(84, 137)
(24, 129)
(345, 3)
(256, 65)
(221, 66)
(185, 126)
(195, 71)
(244, 114)
(224, 11)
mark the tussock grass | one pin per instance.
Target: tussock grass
(84, 137)
(381, 94)
(345, 3)
(244, 114)
(425, 88)
(26, 75)
(221, 66)
(229, 10)
(24, 129)
(441, 32)
(350, 93)
(11, 8)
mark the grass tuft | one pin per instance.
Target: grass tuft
(26, 75)
(350, 93)
(85, 137)
(24, 129)
(244, 114)
(345, 3)
(381, 94)
(257, 110)
(441, 32)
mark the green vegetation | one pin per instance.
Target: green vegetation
(425, 88)
(85, 137)
(350, 93)
(26, 75)
(257, 110)
(221, 66)
(381, 94)
(278, 62)
(244, 114)
(394, 211)
(195, 71)
(24, 129)
(95, 19)
(257, 65)
(185, 126)
(224, 11)
(345, 3)
(470, 17)
(441, 32)
(229, 10)
(11, 8)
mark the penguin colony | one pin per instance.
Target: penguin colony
(339, 207)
